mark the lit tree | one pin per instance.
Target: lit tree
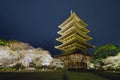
(20, 55)
(112, 62)
(56, 64)
(36, 56)
(8, 57)
(17, 45)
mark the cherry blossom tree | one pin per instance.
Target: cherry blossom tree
(19, 55)
(56, 64)
(112, 62)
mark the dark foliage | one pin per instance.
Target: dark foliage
(104, 51)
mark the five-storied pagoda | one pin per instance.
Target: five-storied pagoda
(74, 47)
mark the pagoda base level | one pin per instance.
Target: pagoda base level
(74, 51)
(75, 60)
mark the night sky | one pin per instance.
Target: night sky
(36, 21)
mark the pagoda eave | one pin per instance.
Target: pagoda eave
(73, 15)
(57, 47)
(80, 20)
(72, 47)
(72, 25)
(75, 36)
(65, 22)
(58, 39)
(77, 32)
(76, 40)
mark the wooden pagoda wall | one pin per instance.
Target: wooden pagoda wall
(75, 61)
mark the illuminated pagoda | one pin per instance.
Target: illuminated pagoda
(74, 47)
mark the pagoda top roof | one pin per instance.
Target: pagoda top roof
(73, 16)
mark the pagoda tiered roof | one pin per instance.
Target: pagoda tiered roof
(72, 25)
(72, 31)
(73, 46)
(75, 39)
(74, 34)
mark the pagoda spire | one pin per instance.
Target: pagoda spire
(71, 12)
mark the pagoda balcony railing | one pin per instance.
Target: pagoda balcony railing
(73, 24)
(74, 36)
(75, 30)
(75, 40)
(71, 37)
(74, 45)
(74, 27)
(73, 49)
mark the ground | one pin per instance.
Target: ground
(55, 75)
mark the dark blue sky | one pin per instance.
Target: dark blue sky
(36, 21)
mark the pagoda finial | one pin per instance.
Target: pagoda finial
(71, 12)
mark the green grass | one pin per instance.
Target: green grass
(52, 75)
(84, 76)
